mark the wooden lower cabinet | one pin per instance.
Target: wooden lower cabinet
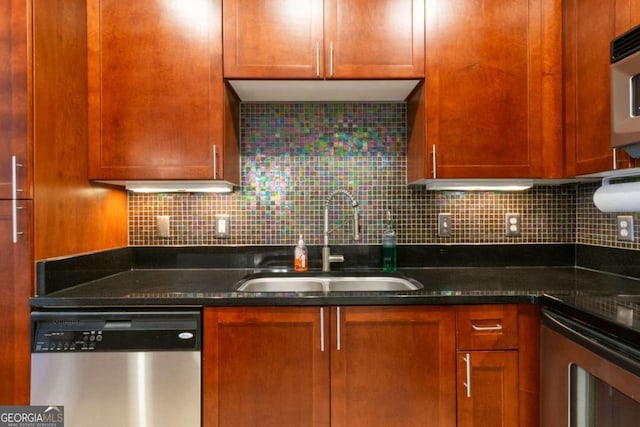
(488, 389)
(265, 367)
(16, 279)
(320, 366)
(498, 347)
(392, 366)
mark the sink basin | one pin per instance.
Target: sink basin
(279, 283)
(373, 284)
(283, 284)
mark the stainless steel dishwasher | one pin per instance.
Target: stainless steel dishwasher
(125, 369)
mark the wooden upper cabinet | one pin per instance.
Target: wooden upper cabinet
(590, 25)
(307, 39)
(493, 91)
(15, 151)
(155, 89)
(273, 38)
(374, 38)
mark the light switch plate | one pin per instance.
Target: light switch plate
(162, 226)
(444, 224)
(223, 226)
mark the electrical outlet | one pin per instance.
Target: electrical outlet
(223, 226)
(512, 224)
(624, 315)
(625, 228)
(444, 224)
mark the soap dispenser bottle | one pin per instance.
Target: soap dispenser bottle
(300, 262)
(389, 249)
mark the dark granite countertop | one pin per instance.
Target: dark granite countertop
(591, 282)
(463, 285)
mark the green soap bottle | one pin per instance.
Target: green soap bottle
(389, 248)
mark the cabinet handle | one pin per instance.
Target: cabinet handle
(615, 158)
(338, 328)
(14, 177)
(14, 199)
(331, 59)
(215, 162)
(433, 162)
(321, 329)
(14, 220)
(467, 385)
(317, 59)
(498, 327)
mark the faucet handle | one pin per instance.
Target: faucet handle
(336, 258)
(356, 224)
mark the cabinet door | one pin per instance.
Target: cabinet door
(493, 88)
(273, 38)
(15, 289)
(590, 25)
(392, 366)
(14, 149)
(155, 89)
(265, 367)
(487, 388)
(374, 38)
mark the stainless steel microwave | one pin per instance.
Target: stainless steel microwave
(625, 92)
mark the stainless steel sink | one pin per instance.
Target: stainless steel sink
(373, 284)
(283, 284)
(327, 284)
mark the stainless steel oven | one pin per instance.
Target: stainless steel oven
(589, 376)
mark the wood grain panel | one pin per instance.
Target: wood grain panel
(16, 278)
(276, 39)
(494, 389)
(155, 103)
(589, 27)
(71, 215)
(14, 99)
(487, 327)
(493, 83)
(419, 165)
(529, 364)
(394, 366)
(265, 366)
(374, 38)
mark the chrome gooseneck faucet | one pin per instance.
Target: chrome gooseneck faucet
(327, 258)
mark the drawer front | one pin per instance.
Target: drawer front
(487, 327)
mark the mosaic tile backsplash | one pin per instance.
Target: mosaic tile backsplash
(295, 154)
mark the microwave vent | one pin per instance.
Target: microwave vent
(625, 44)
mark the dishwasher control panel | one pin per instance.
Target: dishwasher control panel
(68, 340)
(141, 332)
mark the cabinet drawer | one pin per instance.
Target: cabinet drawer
(487, 327)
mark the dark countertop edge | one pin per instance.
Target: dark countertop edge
(283, 301)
